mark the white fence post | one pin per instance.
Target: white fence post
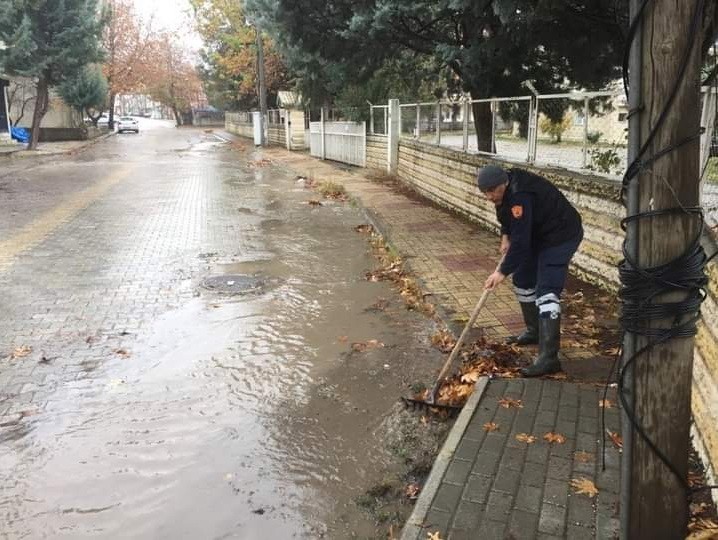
(438, 123)
(322, 138)
(417, 130)
(288, 127)
(585, 132)
(465, 142)
(363, 134)
(708, 116)
(393, 132)
(371, 119)
(533, 129)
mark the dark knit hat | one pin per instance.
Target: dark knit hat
(491, 176)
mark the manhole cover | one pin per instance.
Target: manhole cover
(235, 284)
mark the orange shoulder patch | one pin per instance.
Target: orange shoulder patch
(517, 211)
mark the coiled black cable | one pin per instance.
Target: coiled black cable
(643, 289)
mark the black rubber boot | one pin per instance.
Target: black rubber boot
(530, 336)
(549, 344)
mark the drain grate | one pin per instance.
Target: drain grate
(235, 284)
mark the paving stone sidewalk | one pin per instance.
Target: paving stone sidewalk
(489, 484)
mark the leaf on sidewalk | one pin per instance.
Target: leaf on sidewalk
(343, 339)
(560, 376)
(552, 437)
(122, 352)
(526, 438)
(491, 426)
(584, 486)
(605, 403)
(616, 438)
(583, 457)
(20, 352)
(314, 202)
(434, 536)
(507, 403)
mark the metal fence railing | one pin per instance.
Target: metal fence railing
(579, 130)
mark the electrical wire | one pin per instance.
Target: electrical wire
(643, 289)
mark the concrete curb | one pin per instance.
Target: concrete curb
(414, 526)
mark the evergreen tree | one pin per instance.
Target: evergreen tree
(492, 47)
(87, 92)
(49, 41)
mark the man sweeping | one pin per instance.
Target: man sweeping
(540, 232)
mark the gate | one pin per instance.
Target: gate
(339, 141)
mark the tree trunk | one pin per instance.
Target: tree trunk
(111, 113)
(178, 118)
(483, 123)
(41, 103)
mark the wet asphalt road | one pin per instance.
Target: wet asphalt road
(134, 403)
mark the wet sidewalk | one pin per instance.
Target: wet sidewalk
(487, 483)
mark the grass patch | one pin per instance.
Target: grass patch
(332, 190)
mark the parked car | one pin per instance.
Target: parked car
(127, 123)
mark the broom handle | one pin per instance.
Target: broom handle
(460, 342)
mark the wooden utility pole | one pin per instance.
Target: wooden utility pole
(662, 377)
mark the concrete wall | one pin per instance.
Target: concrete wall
(59, 114)
(376, 150)
(243, 129)
(447, 177)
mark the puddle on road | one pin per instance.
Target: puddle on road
(235, 417)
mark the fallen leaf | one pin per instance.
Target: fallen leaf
(434, 536)
(471, 376)
(412, 491)
(584, 486)
(507, 403)
(343, 339)
(20, 352)
(616, 438)
(605, 403)
(560, 376)
(702, 529)
(314, 202)
(583, 457)
(363, 346)
(364, 229)
(613, 351)
(526, 438)
(552, 437)
(491, 426)
(121, 352)
(443, 340)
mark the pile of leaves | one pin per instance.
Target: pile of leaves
(391, 268)
(481, 359)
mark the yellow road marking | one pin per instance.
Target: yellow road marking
(38, 230)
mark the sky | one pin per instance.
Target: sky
(170, 15)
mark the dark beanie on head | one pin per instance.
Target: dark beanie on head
(491, 176)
